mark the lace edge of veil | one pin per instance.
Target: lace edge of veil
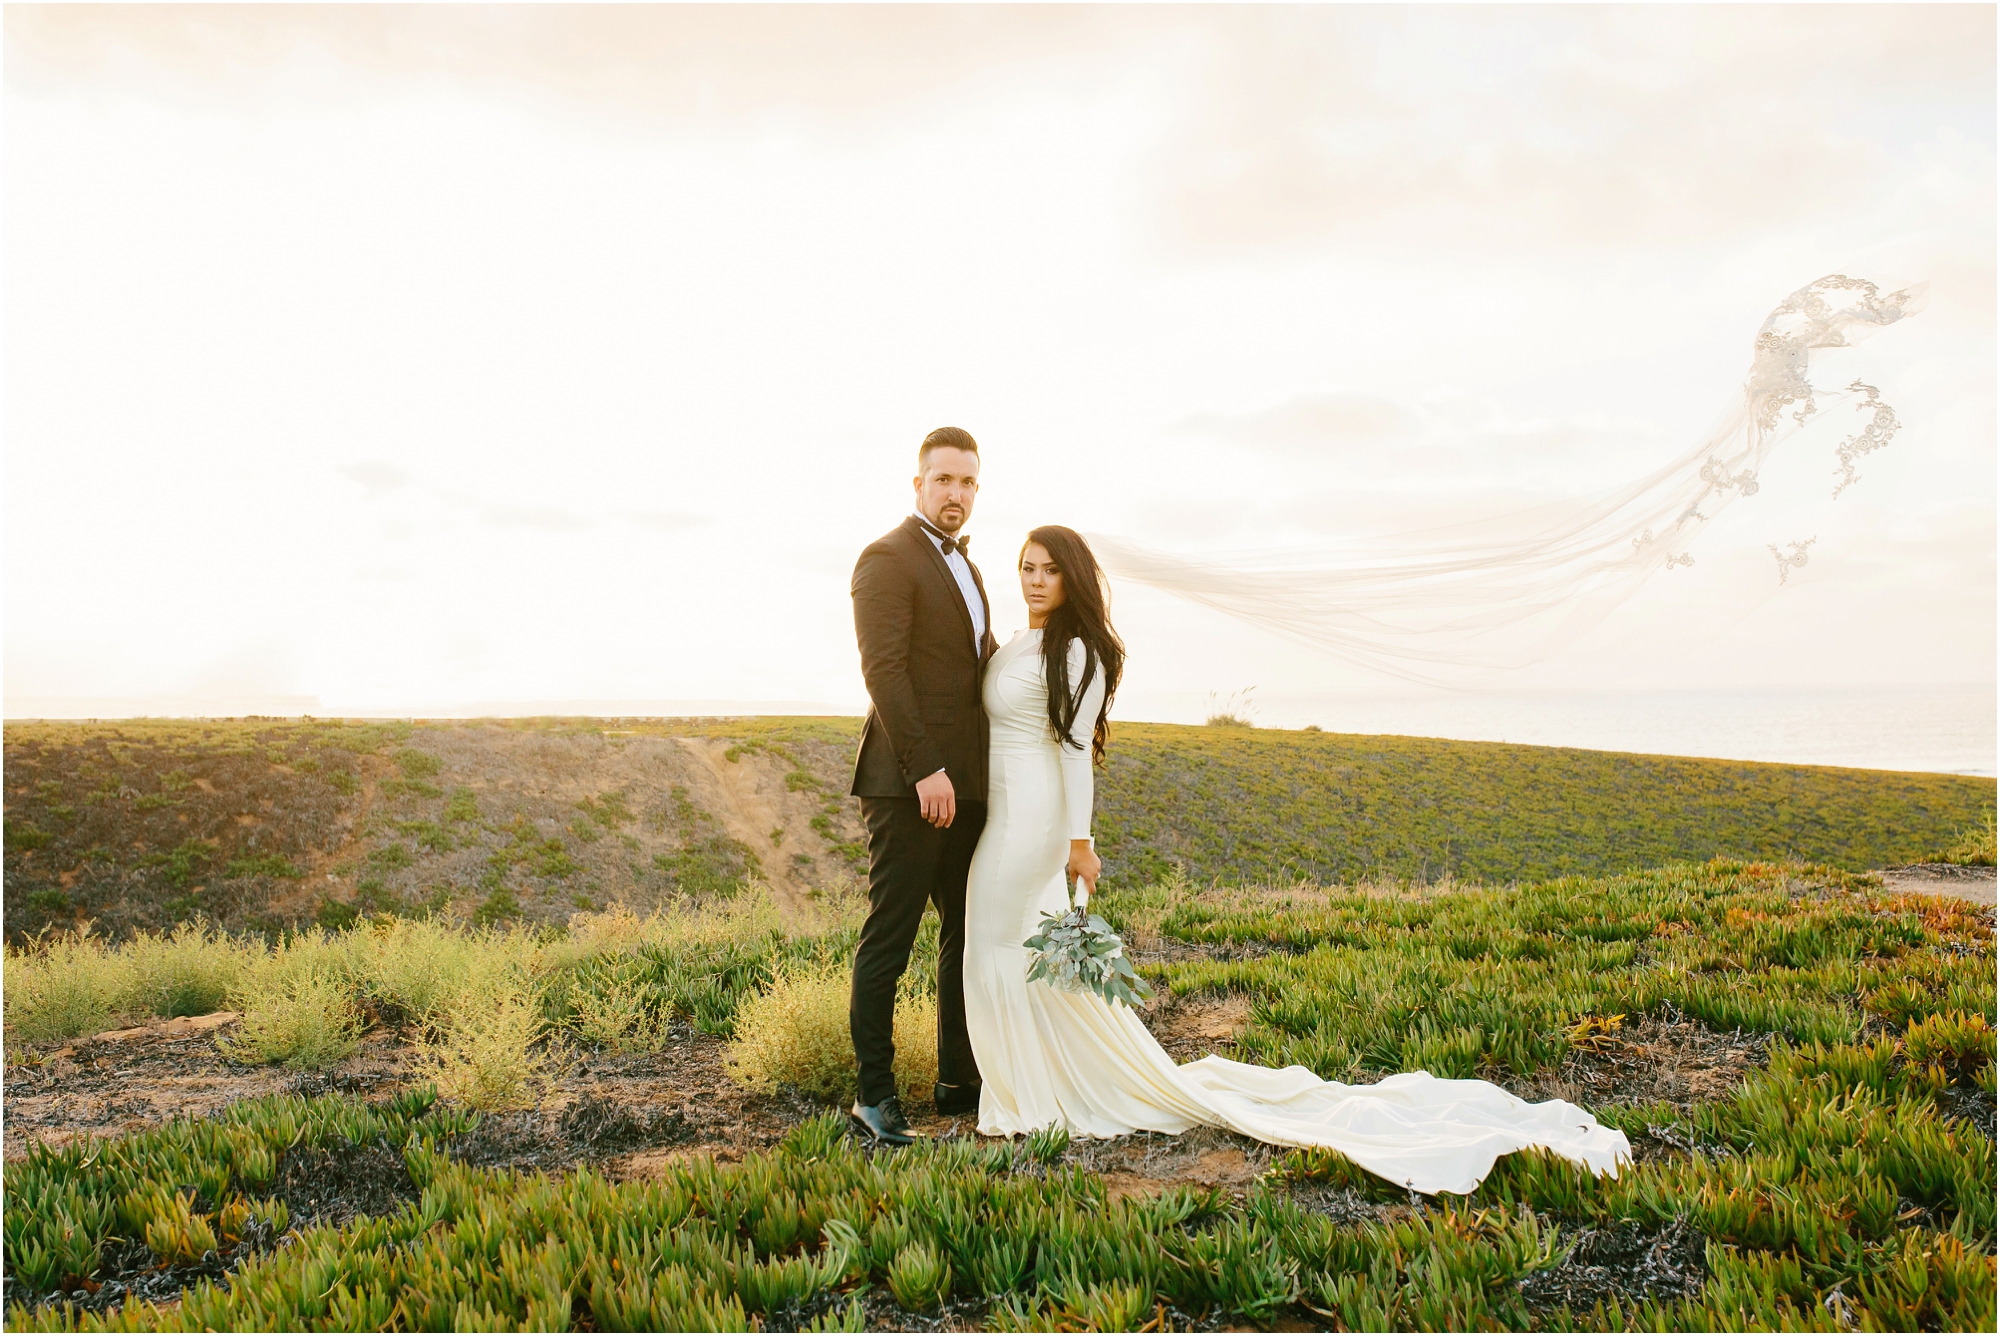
(1442, 606)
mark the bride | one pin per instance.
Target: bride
(1051, 1057)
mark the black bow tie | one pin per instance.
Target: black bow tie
(950, 545)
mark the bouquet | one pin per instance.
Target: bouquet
(1078, 953)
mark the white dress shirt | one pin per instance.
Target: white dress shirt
(961, 571)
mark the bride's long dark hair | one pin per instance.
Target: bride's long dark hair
(1085, 615)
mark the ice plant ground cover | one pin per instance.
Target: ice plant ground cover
(1843, 1179)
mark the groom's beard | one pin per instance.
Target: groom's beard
(949, 520)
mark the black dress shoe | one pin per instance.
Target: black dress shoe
(953, 1100)
(882, 1122)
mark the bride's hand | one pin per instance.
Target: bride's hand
(1084, 865)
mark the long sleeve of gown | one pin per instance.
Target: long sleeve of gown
(1078, 782)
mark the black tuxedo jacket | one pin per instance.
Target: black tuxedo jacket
(922, 668)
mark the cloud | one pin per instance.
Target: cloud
(1448, 439)
(381, 479)
(378, 477)
(667, 521)
(265, 666)
(648, 65)
(550, 519)
(1284, 127)
(1312, 422)
(1503, 128)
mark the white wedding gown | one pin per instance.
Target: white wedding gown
(1047, 1056)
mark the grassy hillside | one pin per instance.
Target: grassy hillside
(265, 824)
(262, 825)
(1804, 1067)
(1243, 805)
(1255, 805)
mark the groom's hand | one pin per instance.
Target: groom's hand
(936, 797)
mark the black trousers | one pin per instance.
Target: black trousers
(911, 863)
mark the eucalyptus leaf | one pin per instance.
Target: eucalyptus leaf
(1077, 952)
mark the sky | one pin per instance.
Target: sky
(465, 359)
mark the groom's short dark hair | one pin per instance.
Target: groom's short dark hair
(945, 438)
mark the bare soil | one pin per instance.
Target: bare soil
(1622, 1261)
(1948, 879)
(128, 1081)
(631, 1114)
(1674, 1061)
(1191, 1027)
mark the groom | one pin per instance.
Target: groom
(921, 616)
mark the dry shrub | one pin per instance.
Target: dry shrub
(487, 1059)
(611, 1011)
(313, 954)
(189, 972)
(916, 1046)
(613, 930)
(62, 987)
(484, 1051)
(794, 1033)
(839, 907)
(298, 1001)
(747, 918)
(309, 1022)
(419, 967)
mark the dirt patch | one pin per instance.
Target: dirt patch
(1948, 879)
(1149, 1163)
(603, 1107)
(631, 1115)
(1622, 1261)
(599, 1128)
(1971, 1105)
(332, 1184)
(1158, 950)
(526, 817)
(1344, 1206)
(161, 1029)
(127, 1083)
(591, 1130)
(746, 791)
(1195, 1026)
(885, 1314)
(623, 1110)
(1672, 1060)
(138, 825)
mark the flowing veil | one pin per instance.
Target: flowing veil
(1444, 606)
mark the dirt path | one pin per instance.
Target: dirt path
(749, 797)
(1960, 883)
